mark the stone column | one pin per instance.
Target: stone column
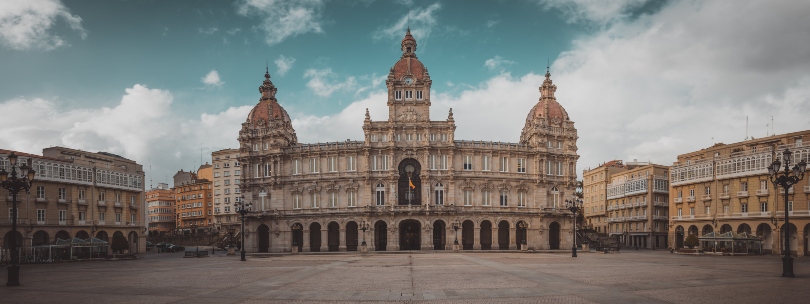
(477, 238)
(512, 238)
(495, 240)
(325, 240)
(370, 239)
(306, 245)
(342, 238)
(427, 238)
(393, 239)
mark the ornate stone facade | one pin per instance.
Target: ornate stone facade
(409, 181)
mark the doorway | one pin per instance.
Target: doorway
(439, 235)
(410, 235)
(554, 236)
(380, 236)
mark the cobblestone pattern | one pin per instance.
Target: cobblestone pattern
(446, 277)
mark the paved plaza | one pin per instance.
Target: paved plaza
(445, 277)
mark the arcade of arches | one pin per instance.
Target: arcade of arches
(49, 236)
(409, 233)
(772, 237)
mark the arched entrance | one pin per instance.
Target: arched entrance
(40, 238)
(679, 237)
(7, 240)
(744, 228)
(764, 232)
(65, 235)
(410, 235)
(333, 236)
(486, 235)
(693, 230)
(725, 228)
(298, 236)
(553, 235)
(102, 235)
(467, 235)
(706, 230)
(133, 242)
(806, 240)
(380, 236)
(503, 235)
(83, 234)
(409, 184)
(793, 239)
(315, 237)
(439, 235)
(351, 236)
(264, 238)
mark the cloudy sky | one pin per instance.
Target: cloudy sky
(160, 81)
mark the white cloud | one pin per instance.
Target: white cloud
(234, 31)
(212, 79)
(595, 11)
(208, 31)
(324, 82)
(422, 22)
(497, 63)
(669, 82)
(284, 64)
(492, 23)
(141, 127)
(26, 24)
(282, 19)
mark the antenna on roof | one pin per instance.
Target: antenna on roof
(409, 20)
(746, 127)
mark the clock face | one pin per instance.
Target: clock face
(408, 80)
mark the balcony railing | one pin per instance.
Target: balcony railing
(782, 191)
(118, 204)
(102, 203)
(690, 199)
(762, 192)
(133, 206)
(678, 200)
(659, 218)
(806, 189)
(7, 221)
(661, 204)
(742, 193)
(724, 195)
(82, 201)
(43, 199)
(63, 201)
(707, 197)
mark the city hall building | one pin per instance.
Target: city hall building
(409, 182)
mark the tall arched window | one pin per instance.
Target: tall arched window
(439, 191)
(380, 194)
(555, 197)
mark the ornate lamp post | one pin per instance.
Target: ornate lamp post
(786, 180)
(364, 226)
(243, 208)
(14, 185)
(574, 205)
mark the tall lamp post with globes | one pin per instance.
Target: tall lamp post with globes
(14, 185)
(243, 208)
(786, 180)
(574, 205)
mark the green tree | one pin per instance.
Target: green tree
(119, 243)
(691, 241)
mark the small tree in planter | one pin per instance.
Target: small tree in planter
(691, 241)
(119, 244)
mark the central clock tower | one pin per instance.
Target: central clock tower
(408, 86)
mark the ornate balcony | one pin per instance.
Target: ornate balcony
(724, 195)
(64, 201)
(707, 197)
(82, 202)
(742, 193)
(782, 191)
(690, 199)
(678, 200)
(762, 192)
(102, 203)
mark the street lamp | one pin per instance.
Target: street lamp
(522, 225)
(574, 205)
(14, 185)
(786, 180)
(243, 208)
(364, 226)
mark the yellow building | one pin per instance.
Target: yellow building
(726, 188)
(594, 191)
(193, 206)
(637, 205)
(160, 201)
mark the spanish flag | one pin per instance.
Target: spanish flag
(411, 184)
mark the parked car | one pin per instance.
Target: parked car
(149, 244)
(176, 248)
(163, 247)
